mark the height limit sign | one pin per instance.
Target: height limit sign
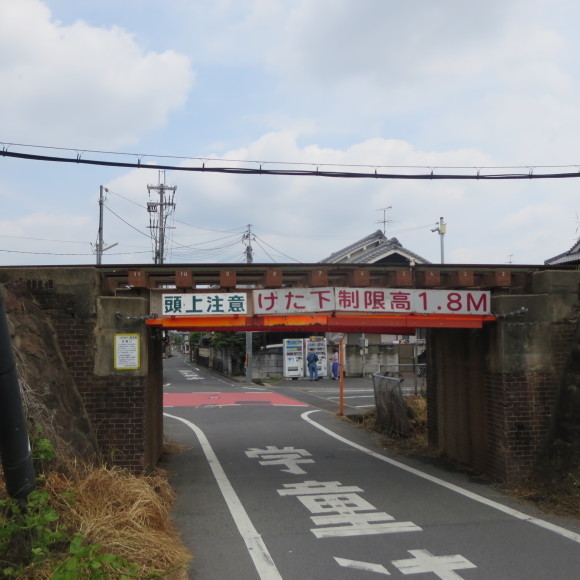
(127, 352)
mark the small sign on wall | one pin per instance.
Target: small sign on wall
(127, 349)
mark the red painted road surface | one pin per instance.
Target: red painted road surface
(226, 399)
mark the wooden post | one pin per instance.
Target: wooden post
(341, 358)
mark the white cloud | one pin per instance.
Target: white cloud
(40, 238)
(321, 83)
(80, 85)
(390, 43)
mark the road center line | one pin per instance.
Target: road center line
(258, 551)
(450, 486)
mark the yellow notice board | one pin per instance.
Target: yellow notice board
(127, 352)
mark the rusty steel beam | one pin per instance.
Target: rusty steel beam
(237, 276)
(374, 324)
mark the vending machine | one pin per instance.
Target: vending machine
(318, 343)
(293, 353)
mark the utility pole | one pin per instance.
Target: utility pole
(249, 345)
(249, 250)
(159, 211)
(441, 229)
(100, 243)
(100, 233)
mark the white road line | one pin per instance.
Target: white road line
(450, 486)
(263, 562)
(366, 566)
(228, 383)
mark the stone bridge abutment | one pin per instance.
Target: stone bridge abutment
(124, 407)
(498, 396)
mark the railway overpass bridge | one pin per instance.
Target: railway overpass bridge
(502, 340)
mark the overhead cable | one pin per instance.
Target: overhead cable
(261, 168)
(127, 223)
(69, 254)
(258, 239)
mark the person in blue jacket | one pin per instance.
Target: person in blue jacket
(312, 360)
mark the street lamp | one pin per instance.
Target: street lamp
(441, 229)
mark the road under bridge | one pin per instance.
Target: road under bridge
(501, 340)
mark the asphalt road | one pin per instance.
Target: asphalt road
(271, 486)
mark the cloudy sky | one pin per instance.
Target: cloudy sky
(307, 83)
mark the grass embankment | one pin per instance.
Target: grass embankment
(92, 523)
(86, 521)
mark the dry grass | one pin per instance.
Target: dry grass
(126, 515)
(171, 448)
(561, 499)
(416, 443)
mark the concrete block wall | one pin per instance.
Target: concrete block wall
(377, 358)
(267, 364)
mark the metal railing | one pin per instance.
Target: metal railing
(415, 376)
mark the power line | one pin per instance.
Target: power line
(264, 250)
(42, 239)
(127, 223)
(193, 246)
(234, 232)
(281, 253)
(206, 251)
(125, 198)
(427, 172)
(67, 254)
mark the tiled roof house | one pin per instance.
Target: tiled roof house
(572, 256)
(375, 249)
